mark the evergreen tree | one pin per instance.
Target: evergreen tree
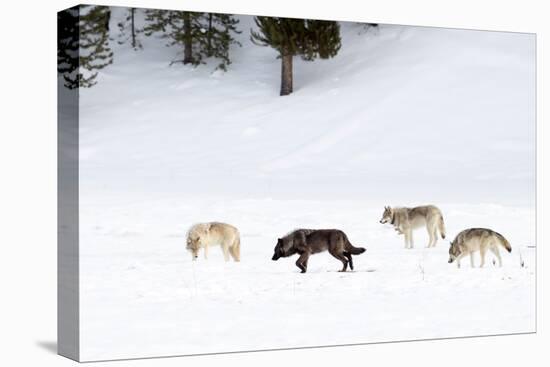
(83, 44)
(291, 37)
(95, 52)
(219, 37)
(129, 31)
(156, 21)
(68, 46)
(180, 28)
(201, 35)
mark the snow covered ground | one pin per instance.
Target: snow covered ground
(401, 116)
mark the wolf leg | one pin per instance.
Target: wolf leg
(472, 259)
(340, 257)
(344, 261)
(235, 250)
(459, 258)
(431, 236)
(225, 249)
(411, 240)
(302, 262)
(407, 239)
(482, 253)
(494, 250)
(206, 252)
(434, 235)
(350, 260)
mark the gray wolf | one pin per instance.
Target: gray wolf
(203, 235)
(477, 239)
(405, 220)
(306, 242)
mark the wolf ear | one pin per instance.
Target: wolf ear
(279, 240)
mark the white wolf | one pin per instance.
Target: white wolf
(477, 239)
(203, 235)
(405, 220)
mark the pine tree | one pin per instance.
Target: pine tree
(128, 25)
(68, 46)
(297, 37)
(180, 28)
(83, 44)
(156, 21)
(201, 35)
(219, 37)
(95, 52)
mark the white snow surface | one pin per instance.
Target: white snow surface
(401, 116)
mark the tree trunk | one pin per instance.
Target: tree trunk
(286, 74)
(133, 11)
(209, 34)
(107, 19)
(188, 41)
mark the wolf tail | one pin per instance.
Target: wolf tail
(441, 226)
(354, 250)
(504, 242)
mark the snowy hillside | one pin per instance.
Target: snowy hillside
(401, 116)
(449, 111)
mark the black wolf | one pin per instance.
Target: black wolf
(306, 242)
